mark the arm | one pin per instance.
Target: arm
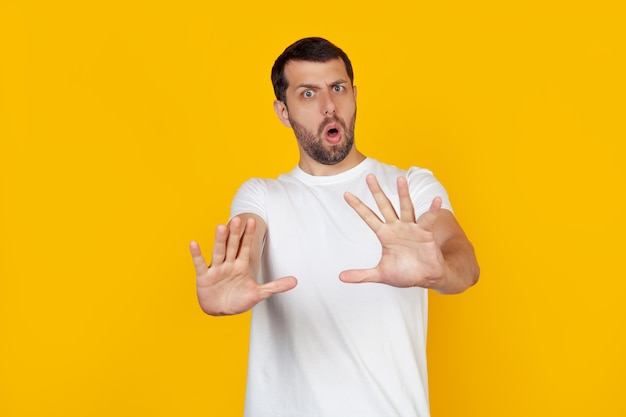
(228, 286)
(461, 268)
(431, 252)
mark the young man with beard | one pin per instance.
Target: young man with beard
(336, 257)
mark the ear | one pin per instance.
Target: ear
(354, 91)
(281, 111)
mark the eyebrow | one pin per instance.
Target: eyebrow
(307, 85)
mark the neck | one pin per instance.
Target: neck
(313, 167)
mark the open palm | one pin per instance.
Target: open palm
(229, 286)
(410, 254)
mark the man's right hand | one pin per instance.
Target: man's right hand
(228, 286)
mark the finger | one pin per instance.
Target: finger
(355, 276)
(428, 219)
(277, 286)
(235, 230)
(368, 216)
(198, 260)
(219, 246)
(407, 211)
(246, 241)
(383, 203)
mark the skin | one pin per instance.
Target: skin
(318, 93)
(431, 252)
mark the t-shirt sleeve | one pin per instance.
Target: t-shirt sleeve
(250, 198)
(424, 187)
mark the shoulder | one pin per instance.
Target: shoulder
(254, 184)
(251, 197)
(385, 173)
(420, 175)
(253, 188)
(423, 185)
(254, 194)
(414, 174)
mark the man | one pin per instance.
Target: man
(296, 246)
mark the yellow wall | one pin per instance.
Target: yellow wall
(126, 127)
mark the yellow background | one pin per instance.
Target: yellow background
(126, 128)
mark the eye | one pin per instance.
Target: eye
(338, 88)
(308, 93)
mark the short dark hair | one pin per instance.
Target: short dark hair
(308, 49)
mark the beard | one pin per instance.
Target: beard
(313, 143)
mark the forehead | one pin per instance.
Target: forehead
(309, 72)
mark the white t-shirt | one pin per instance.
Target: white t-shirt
(327, 348)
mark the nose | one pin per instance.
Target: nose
(328, 106)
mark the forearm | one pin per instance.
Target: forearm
(461, 267)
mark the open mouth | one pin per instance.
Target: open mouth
(332, 134)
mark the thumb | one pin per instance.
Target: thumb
(428, 219)
(277, 286)
(355, 276)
